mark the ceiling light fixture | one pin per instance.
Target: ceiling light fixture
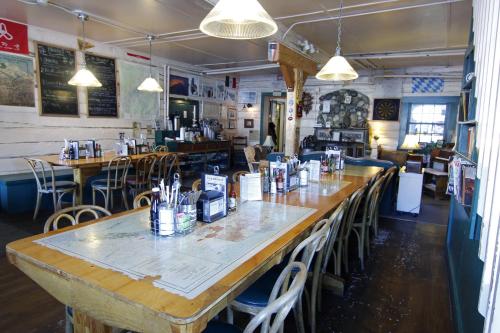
(238, 19)
(84, 77)
(337, 68)
(150, 84)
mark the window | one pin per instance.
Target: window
(427, 121)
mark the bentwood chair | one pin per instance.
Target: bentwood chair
(237, 174)
(115, 181)
(342, 251)
(46, 183)
(361, 228)
(196, 185)
(166, 167)
(256, 297)
(142, 197)
(53, 223)
(160, 149)
(143, 172)
(389, 175)
(282, 299)
(319, 271)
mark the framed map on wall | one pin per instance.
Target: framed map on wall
(17, 86)
(386, 109)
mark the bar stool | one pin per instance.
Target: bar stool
(272, 317)
(45, 185)
(117, 173)
(342, 252)
(52, 223)
(361, 228)
(256, 297)
(143, 172)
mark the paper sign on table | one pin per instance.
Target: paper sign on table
(250, 187)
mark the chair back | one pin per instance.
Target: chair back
(196, 185)
(335, 221)
(160, 149)
(142, 197)
(250, 156)
(54, 219)
(372, 200)
(44, 174)
(352, 210)
(144, 169)
(118, 170)
(389, 174)
(312, 244)
(166, 165)
(272, 317)
(237, 174)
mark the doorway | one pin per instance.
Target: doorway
(273, 117)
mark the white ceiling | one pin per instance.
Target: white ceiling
(394, 28)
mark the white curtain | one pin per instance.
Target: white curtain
(486, 29)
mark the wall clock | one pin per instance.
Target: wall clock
(386, 109)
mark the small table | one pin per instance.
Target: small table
(84, 168)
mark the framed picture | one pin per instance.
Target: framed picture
(386, 109)
(179, 85)
(248, 123)
(231, 124)
(347, 135)
(247, 97)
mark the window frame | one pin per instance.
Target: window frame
(409, 122)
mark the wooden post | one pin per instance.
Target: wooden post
(295, 68)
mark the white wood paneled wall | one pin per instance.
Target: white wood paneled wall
(486, 28)
(23, 132)
(369, 84)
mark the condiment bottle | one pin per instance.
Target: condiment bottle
(280, 185)
(232, 199)
(273, 188)
(155, 211)
(266, 181)
(166, 220)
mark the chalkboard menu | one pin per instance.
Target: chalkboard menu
(55, 67)
(102, 101)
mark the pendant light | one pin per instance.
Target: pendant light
(84, 77)
(337, 68)
(238, 19)
(150, 84)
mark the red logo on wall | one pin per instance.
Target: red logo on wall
(13, 37)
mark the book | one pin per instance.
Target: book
(471, 141)
(468, 182)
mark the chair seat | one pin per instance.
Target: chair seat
(216, 326)
(258, 293)
(62, 185)
(132, 181)
(102, 183)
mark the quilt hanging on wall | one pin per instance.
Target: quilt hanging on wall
(427, 85)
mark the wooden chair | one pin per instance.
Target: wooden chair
(361, 228)
(115, 181)
(254, 165)
(143, 172)
(196, 185)
(144, 196)
(250, 300)
(46, 183)
(160, 149)
(283, 297)
(389, 175)
(237, 174)
(52, 223)
(342, 251)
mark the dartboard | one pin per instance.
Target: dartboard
(386, 109)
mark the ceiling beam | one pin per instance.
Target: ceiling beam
(288, 57)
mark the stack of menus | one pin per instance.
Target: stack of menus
(216, 182)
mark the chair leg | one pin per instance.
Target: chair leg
(361, 249)
(106, 200)
(74, 198)
(54, 200)
(37, 207)
(93, 196)
(314, 293)
(68, 321)
(124, 196)
(298, 315)
(346, 255)
(338, 262)
(230, 315)
(111, 198)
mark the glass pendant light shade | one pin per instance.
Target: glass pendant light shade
(84, 78)
(337, 69)
(150, 84)
(238, 19)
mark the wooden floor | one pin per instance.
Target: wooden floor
(403, 289)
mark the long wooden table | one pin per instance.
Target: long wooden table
(84, 168)
(102, 297)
